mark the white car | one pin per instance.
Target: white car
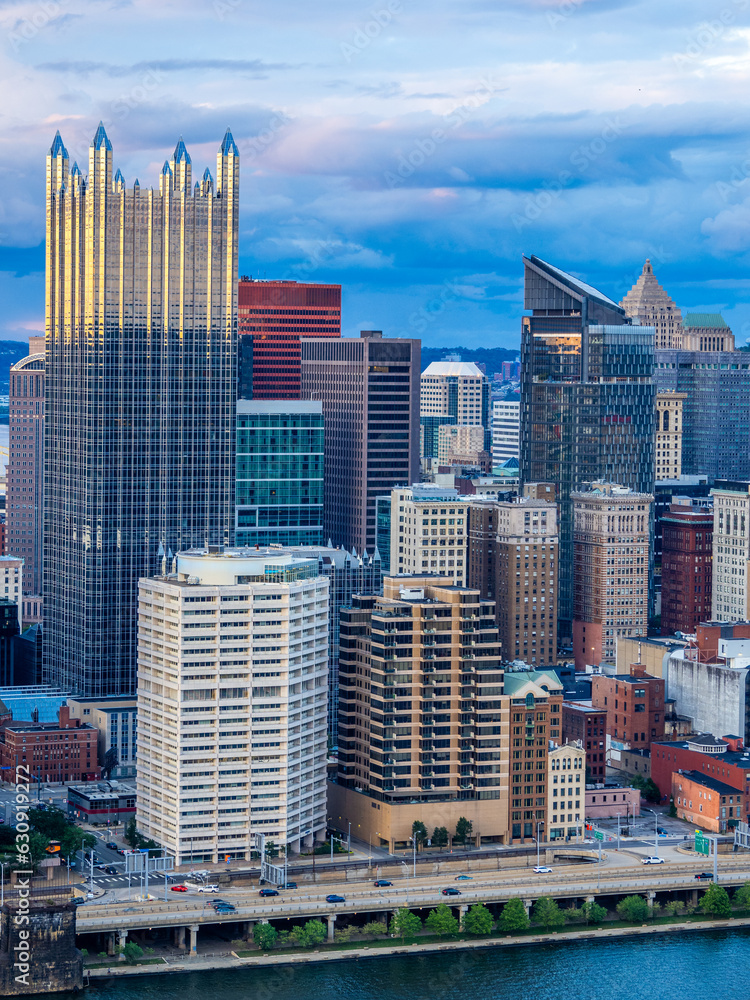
(542, 870)
(652, 861)
(208, 888)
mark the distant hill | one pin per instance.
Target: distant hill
(11, 351)
(492, 357)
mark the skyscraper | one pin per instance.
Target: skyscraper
(506, 431)
(273, 317)
(730, 598)
(587, 399)
(370, 392)
(649, 304)
(141, 327)
(686, 569)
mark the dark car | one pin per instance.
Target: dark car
(112, 845)
(661, 831)
(110, 870)
(383, 881)
(220, 902)
(333, 898)
(450, 891)
(77, 900)
(268, 892)
(288, 885)
(226, 908)
(705, 875)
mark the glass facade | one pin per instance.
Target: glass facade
(279, 498)
(141, 356)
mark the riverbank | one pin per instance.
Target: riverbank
(334, 954)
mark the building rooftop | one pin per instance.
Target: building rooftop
(738, 758)
(515, 682)
(703, 779)
(579, 289)
(704, 321)
(454, 369)
(95, 793)
(582, 706)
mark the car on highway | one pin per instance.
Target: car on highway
(77, 900)
(287, 885)
(226, 908)
(110, 870)
(450, 891)
(333, 898)
(661, 831)
(382, 882)
(217, 903)
(464, 878)
(178, 888)
(268, 892)
(208, 888)
(542, 870)
(112, 846)
(652, 861)
(702, 875)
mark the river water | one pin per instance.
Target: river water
(687, 965)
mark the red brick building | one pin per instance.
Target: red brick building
(272, 318)
(723, 760)
(589, 725)
(634, 704)
(686, 567)
(63, 751)
(706, 802)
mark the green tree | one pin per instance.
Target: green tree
(672, 908)
(265, 936)
(131, 834)
(548, 913)
(633, 908)
(272, 850)
(132, 952)
(741, 897)
(441, 921)
(573, 915)
(375, 929)
(514, 917)
(405, 924)
(594, 913)
(315, 933)
(419, 832)
(440, 837)
(478, 920)
(715, 902)
(463, 830)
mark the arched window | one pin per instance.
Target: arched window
(665, 424)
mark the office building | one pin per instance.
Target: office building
(429, 532)
(686, 567)
(513, 561)
(506, 431)
(383, 532)
(588, 405)
(25, 477)
(115, 722)
(730, 598)
(456, 389)
(27, 656)
(649, 304)
(60, 751)
(566, 791)
(273, 317)
(140, 383)
(463, 445)
(696, 489)
(279, 496)
(102, 804)
(724, 760)
(232, 703)
(611, 552)
(634, 703)
(369, 387)
(584, 724)
(706, 332)
(669, 435)
(11, 582)
(9, 629)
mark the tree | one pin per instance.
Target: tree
(633, 908)
(265, 936)
(715, 902)
(573, 915)
(272, 850)
(132, 952)
(441, 921)
(594, 913)
(514, 917)
(548, 913)
(419, 832)
(375, 929)
(440, 837)
(478, 920)
(315, 933)
(131, 833)
(672, 908)
(648, 788)
(741, 897)
(405, 924)
(463, 830)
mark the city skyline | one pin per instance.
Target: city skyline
(550, 115)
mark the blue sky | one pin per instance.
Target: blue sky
(410, 149)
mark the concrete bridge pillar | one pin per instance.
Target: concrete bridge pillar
(528, 903)
(694, 895)
(462, 911)
(179, 937)
(247, 930)
(111, 947)
(123, 935)
(194, 940)
(651, 896)
(331, 925)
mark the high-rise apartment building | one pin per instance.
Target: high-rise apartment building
(506, 431)
(706, 332)
(649, 304)
(456, 389)
(232, 703)
(273, 317)
(611, 549)
(513, 561)
(730, 599)
(588, 406)
(429, 528)
(686, 567)
(141, 326)
(669, 435)
(279, 497)
(369, 387)
(24, 507)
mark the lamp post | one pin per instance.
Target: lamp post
(656, 831)
(2, 881)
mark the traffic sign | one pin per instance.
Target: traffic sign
(702, 843)
(598, 835)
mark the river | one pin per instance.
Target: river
(689, 965)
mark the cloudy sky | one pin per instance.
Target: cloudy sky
(410, 149)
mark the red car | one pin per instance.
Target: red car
(178, 888)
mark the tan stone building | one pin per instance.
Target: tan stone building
(706, 332)
(730, 598)
(462, 443)
(650, 304)
(652, 652)
(513, 560)
(429, 531)
(668, 452)
(611, 537)
(566, 791)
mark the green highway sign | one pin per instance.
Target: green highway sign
(598, 835)
(702, 843)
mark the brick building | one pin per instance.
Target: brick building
(634, 704)
(61, 751)
(686, 568)
(588, 725)
(724, 760)
(707, 802)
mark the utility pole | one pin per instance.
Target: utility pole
(618, 830)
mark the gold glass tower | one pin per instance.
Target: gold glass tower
(141, 330)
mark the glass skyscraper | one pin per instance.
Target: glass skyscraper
(141, 356)
(587, 399)
(279, 472)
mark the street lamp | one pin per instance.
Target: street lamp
(656, 830)
(414, 856)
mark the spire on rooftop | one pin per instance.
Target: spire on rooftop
(58, 146)
(101, 139)
(228, 144)
(181, 153)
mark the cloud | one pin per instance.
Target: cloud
(88, 68)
